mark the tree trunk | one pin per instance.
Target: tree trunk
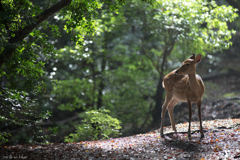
(102, 85)
(156, 113)
(101, 88)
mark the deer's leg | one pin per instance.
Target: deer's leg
(189, 104)
(200, 117)
(171, 106)
(168, 98)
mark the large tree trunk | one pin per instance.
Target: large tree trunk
(156, 113)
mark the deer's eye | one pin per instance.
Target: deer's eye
(187, 64)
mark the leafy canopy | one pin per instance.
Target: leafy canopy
(202, 23)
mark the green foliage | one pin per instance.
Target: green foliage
(19, 110)
(186, 19)
(130, 90)
(27, 61)
(83, 16)
(97, 124)
(72, 94)
(4, 137)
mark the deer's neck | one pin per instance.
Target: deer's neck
(194, 84)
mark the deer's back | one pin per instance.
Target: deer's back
(179, 87)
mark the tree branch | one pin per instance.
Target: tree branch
(230, 72)
(21, 34)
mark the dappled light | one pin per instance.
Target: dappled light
(84, 79)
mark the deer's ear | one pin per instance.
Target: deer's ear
(198, 58)
(192, 56)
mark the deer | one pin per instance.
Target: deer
(183, 85)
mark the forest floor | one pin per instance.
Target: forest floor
(221, 141)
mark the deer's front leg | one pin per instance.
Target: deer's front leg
(189, 104)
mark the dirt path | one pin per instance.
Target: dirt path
(222, 141)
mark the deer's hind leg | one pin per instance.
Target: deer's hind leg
(200, 117)
(168, 99)
(189, 104)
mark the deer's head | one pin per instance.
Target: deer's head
(189, 65)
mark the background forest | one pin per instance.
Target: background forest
(86, 70)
